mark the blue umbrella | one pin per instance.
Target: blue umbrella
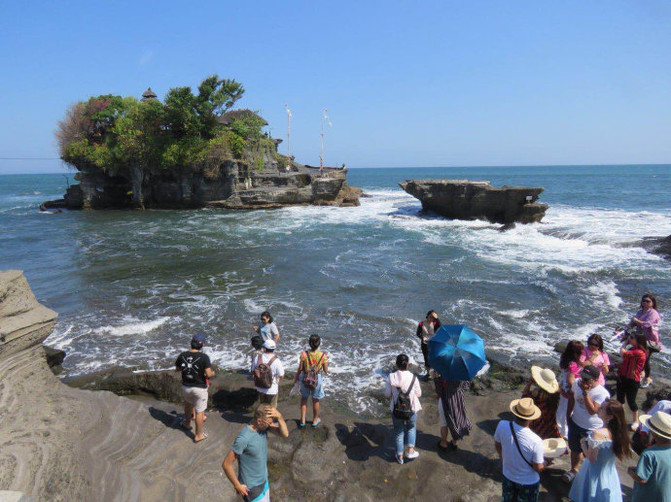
(456, 352)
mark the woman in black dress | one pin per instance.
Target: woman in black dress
(425, 330)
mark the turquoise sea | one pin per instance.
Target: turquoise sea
(132, 287)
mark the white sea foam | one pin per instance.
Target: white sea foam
(133, 326)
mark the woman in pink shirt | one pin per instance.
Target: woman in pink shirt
(647, 321)
(593, 355)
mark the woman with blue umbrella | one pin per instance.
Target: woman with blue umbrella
(456, 353)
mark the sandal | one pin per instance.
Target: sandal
(316, 424)
(568, 476)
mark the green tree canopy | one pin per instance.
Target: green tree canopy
(113, 133)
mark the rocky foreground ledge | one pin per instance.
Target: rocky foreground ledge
(62, 443)
(477, 200)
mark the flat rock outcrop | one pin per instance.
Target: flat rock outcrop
(471, 200)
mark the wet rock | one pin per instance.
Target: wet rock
(470, 200)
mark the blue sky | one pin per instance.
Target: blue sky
(432, 83)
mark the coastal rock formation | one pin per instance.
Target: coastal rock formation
(658, 245)
(235, 187)
(62, 443)
(470, 200)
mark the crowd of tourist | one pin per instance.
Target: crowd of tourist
(574, 415)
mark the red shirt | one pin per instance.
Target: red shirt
(632, 364)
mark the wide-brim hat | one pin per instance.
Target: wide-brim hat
(659, 423)
(525, 408)
(554, 447)
(545, 379)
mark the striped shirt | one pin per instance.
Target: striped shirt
(632, 364)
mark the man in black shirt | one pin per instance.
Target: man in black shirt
(195, 368)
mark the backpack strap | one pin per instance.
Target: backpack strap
(512, 431)
(412, 383)
(271, 361)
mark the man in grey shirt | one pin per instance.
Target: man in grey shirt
(250, 449)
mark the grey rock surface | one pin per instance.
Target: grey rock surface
(470, 200)
(235, 185)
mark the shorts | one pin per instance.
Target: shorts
(575, 434)
(514, 492)
(441, 413)
(316, 393)
(196, 397)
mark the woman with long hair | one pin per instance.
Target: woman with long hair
(569, 364)
(634, 354)
(597, 480)
(425, 330)
(647, 321)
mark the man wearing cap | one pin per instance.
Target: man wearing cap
(268, 358)
(584, 403)
(521, 451)
(652, 474)
(196, 369)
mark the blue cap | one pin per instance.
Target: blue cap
(198, 338)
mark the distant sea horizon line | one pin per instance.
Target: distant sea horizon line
(474, 166)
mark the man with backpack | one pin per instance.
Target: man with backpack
(267, 370)
(404, 390)
(195, 368)
(521, 451)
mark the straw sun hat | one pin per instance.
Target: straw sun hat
(659, 423)
(545, 379)
(554, 447)
(525, 408)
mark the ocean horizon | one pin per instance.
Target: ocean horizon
(131, 287)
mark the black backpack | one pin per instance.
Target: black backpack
(190, 370)
(402, 405)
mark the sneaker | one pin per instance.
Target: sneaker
(634, 426)
(646, 383)
(399, 459)
(412, 455)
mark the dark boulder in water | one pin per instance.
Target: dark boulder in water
(658, 245)
(478, 200)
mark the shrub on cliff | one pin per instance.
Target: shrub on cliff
(117, 135)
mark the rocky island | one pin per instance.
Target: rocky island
(471, 200)
(189, 151)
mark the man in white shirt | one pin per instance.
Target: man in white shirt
(268, 395)
(584, 403)
(521, 451)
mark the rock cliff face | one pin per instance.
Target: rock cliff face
(470, 200)
(234, 185)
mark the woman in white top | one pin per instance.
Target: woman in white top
(405, 430)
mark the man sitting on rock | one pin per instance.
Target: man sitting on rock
(250, 449)
(196, 369)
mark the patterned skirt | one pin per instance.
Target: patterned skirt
(452, 394)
